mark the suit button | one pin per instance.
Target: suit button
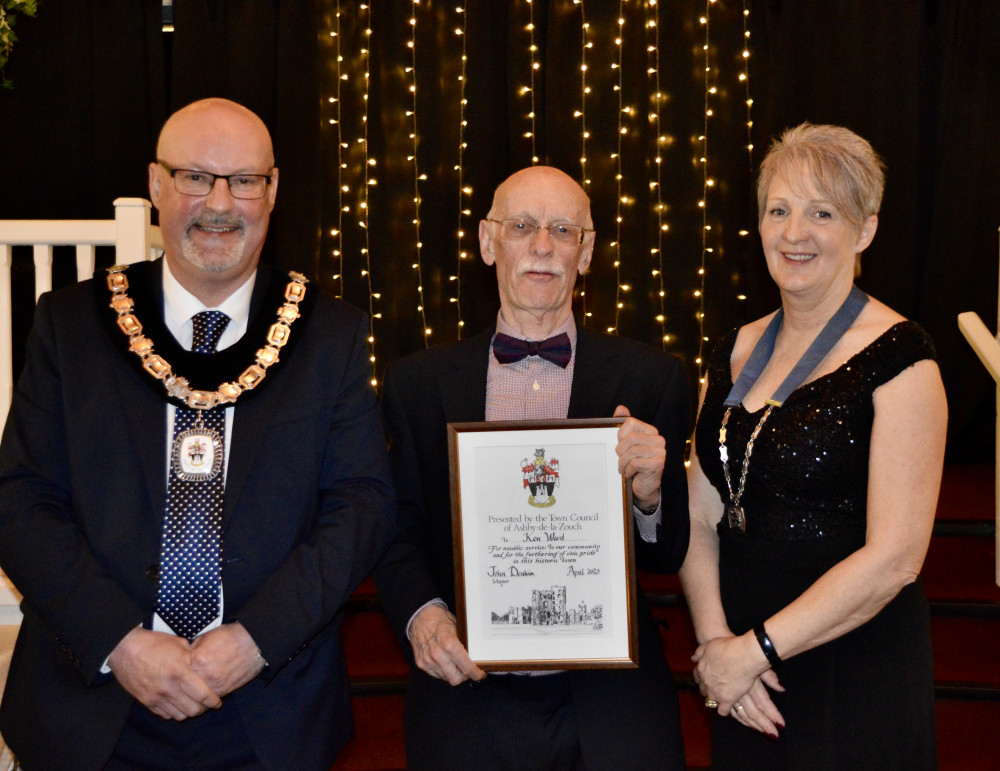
(153, 572)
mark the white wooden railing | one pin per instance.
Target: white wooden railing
(987, 347)
(134, 239)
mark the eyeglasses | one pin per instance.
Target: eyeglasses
(563, 234)
(194, 182)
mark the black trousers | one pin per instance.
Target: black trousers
(505, 723)
(213, 741)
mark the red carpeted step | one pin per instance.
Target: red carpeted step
(967, 492)
(371, 647)
(964, 729)
(960, 568)
(678, 638)
(658, 583)
(696, 719)
(378, 736)
(966, 650)
(366, 591)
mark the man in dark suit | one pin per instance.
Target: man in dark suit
(539, 236)
(284, 427)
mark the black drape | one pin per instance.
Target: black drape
(95, 80)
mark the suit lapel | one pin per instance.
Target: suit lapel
(146, 414)
(595, 377)
(147, 420)
(463, 380)
(251, 418)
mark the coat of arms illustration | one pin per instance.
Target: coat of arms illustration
(196, 450)
(541, 477)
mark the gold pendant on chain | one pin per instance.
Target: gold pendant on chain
(197, 454)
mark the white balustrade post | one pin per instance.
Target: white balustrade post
(43, 269)
(85, 260)
(132, 220)
(9, 598)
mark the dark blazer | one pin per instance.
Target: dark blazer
(308, 510)
(429, 389)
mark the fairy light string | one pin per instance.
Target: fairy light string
(370, 180)
(581, 114)
(745, 79)
(464, 191)
(411, 114)
(620, 198)
(535, 66)
(337, 232)
(659, 209)
(707, 184)
(639, 152)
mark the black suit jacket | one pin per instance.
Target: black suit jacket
(308, 510)
(425, 391)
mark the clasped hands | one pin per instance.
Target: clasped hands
(726, 671)
(176, 679)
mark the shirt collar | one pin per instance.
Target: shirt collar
(179, 306)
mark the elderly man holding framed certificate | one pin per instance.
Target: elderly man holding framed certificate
(534, 365)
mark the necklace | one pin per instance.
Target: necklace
(834, 329)
(735, 515)
(178, 387)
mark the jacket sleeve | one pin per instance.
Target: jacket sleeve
(404, 578)
(671, 419)
(44, 546)
(356, 515)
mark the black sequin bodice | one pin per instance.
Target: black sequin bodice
(808, 474)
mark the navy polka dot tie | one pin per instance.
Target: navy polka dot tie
(191, 554)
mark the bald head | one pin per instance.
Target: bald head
(541, 183)
(223, 119)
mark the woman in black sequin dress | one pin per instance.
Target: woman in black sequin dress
(813, 629)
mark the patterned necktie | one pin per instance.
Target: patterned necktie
(509, 349)
(191, 554)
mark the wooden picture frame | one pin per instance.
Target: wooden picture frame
(543, 543)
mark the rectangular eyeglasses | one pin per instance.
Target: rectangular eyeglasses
(195, 182)
(564, 234)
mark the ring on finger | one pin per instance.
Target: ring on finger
(711, 703)
(738, 707)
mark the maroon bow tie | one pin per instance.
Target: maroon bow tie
(556, 349)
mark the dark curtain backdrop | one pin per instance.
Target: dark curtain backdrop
(94, 80)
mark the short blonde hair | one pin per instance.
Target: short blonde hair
(844, 168)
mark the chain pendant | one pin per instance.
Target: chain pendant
(197, 453)
(737, 519)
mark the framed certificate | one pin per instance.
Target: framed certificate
(544, 552)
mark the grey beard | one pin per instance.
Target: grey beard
(218, 262)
